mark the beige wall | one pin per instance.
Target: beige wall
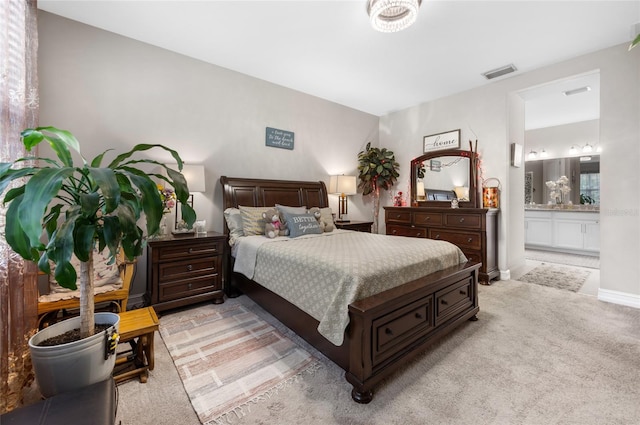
(495, 114)
(114, 92)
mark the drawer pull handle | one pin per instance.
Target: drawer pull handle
(438, 236)
(388, 331)
(398, 215)
(418, 234)
(443, 302)
(189, 267)
(394, 231)
(463, 292)
(462, 220)
(418, 316)
(470, 240)
(427, 218)
(190, 250)
(189, 286)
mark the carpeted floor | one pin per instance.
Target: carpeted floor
(536, 356)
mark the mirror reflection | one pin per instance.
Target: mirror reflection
(583, 174)
(439, 177)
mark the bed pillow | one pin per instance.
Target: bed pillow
(282, 209)
(252, 221)
(302, 224)
(233, 217)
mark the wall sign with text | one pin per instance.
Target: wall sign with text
(276, 138)
(442, 141)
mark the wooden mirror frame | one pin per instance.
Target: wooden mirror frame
(473, 191)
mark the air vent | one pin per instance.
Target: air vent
(576, 91)
(499, 72)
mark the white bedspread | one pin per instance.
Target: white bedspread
(323, 274)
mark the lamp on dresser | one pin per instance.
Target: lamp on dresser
(343, 186)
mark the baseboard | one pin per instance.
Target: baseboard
(505, 274)
(617, 297)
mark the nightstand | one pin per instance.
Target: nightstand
(185, 269)
(358, 226)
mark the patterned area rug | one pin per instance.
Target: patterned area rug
(228, 358)
(556, 277)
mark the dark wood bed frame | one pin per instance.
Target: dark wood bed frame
(386, 329)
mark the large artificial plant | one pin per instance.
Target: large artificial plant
(377, 169)
(64, 209)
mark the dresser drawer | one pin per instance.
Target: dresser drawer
(398, 216)
(426, 218)
(468, 221)
(413, 232)
(190, 249)
(189, 268)
(470, 240)
(475, 256)
(393, 331)
(453, 300)
(188, 287)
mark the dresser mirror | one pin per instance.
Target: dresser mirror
(439, 177)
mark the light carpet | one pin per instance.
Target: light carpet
(227, 357)
(536, 356)
(556, 277)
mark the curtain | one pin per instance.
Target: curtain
(18, 110)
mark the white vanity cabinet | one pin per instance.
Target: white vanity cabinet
(563, 230)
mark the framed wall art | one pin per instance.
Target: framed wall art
(442, 141)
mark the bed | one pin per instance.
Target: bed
(384, 329)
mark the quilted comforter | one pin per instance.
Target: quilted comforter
(323, 274)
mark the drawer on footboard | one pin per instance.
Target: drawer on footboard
(454, 299)
(394, 331)
(411, 231)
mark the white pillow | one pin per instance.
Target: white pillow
(233, 217)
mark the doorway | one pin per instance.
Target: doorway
(562, 140)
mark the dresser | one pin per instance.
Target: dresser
(473, 230)
(185, 269)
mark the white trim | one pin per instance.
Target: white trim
(505, 274)
(617, 297)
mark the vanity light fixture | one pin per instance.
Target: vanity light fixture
(573, 150)
(392, 15)
(543, 154)
(532, 155)
(577, 91)
(587, 148)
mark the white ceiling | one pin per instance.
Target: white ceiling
(328, 49)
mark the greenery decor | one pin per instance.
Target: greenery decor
(64, 209)
(635, 42)
(377, 169)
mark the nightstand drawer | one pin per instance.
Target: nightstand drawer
(189, 250)
(468, 221)
(431, 219)
(185, 288)
(188, 268)
(413, 232)
(461, 239)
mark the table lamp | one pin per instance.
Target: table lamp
(343, 186)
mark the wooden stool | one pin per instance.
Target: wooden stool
(142, 324)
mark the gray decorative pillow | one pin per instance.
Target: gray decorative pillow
(302, 224)
(282, 209)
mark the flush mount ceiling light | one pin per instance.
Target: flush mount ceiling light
(392, 15)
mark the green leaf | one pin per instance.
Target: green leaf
(42, 187)
(107, 181)
(112, 233)
(151, 203)
(635, 42)
(179, 183)
(15, 236)
(89, 203)
(143, 147)
(84, 240)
